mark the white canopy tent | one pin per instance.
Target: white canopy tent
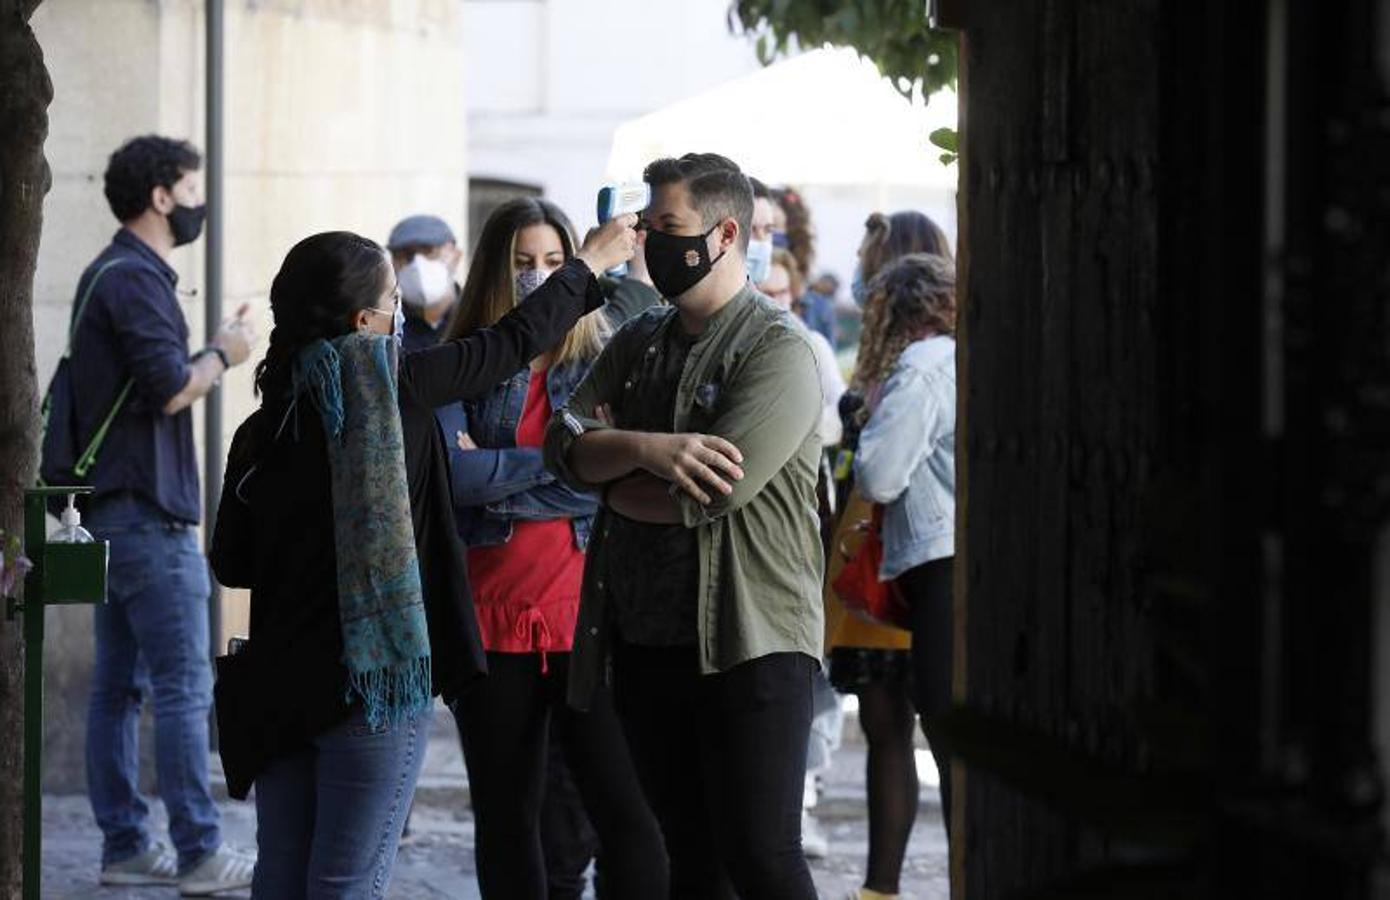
(825, 121)
(826, 117)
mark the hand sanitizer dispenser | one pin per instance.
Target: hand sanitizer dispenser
(71, 530)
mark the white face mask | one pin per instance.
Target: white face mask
(759, 260)
(426, 282)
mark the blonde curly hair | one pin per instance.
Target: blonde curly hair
(914, 296)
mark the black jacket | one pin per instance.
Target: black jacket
(274, 530)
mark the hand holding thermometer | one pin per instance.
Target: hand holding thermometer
(617, 199)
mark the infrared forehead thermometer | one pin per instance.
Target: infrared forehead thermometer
(617, 199)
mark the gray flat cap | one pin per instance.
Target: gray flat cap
(429, 231)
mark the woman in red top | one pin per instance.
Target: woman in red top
(526, 535)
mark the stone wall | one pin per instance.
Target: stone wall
(340, 114)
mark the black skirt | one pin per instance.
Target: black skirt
(855, 668)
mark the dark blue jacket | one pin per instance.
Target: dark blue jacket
(500, 483)
(133, 329)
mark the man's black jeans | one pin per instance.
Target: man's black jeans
(722, 759)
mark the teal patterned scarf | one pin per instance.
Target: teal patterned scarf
(352, 383)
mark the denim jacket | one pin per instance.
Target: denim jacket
(501, 483)
(907, 457)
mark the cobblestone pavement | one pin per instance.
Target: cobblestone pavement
(436, 859)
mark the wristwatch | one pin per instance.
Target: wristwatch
(221, 355)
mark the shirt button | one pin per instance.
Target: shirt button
(593, 632)
(627, 384)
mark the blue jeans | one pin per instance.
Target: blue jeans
(329, 818)
(151, 637)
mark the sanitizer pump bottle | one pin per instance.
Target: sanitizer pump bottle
(71, 530)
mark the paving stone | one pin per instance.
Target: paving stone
(436, 858)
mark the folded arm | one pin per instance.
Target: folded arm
(772, 406)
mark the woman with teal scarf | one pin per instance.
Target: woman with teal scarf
(336, 514)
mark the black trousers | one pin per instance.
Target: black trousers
(927, 589)
(568, 839)
(722, 759)
(505, 722)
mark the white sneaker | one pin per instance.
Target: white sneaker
(225, 869)
(814, 843)
(157, 865)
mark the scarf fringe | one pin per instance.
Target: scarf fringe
(392, 695)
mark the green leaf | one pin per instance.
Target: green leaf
(893, 34)
(946, 139)
(947, 158)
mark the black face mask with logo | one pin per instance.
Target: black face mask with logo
(186, 222)
(677, 262)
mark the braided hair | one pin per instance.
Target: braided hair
(324, 280)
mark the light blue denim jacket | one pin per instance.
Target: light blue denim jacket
(500, 483)
(906, 459)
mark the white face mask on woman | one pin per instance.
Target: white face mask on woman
(426, 282)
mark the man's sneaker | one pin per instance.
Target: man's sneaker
(223, 870)
(814, 843)
(157, 865)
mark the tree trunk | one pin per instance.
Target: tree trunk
(25, 92)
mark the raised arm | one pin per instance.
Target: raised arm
(470, 366)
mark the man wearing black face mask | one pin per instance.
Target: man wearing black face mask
(135, 381)
(698, 424)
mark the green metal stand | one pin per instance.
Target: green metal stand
(62, 573)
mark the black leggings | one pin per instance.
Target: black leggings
(927, 589)
(504, 722)
(888, 718)
(723, 761)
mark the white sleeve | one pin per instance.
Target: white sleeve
(832, 385)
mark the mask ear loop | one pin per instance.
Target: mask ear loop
(706, 237)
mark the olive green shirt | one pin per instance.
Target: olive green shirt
(752, 379)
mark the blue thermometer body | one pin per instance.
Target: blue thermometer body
(617, 199)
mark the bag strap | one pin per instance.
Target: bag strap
(86, 297)
(89, 455)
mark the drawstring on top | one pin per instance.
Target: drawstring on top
(530, 626)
